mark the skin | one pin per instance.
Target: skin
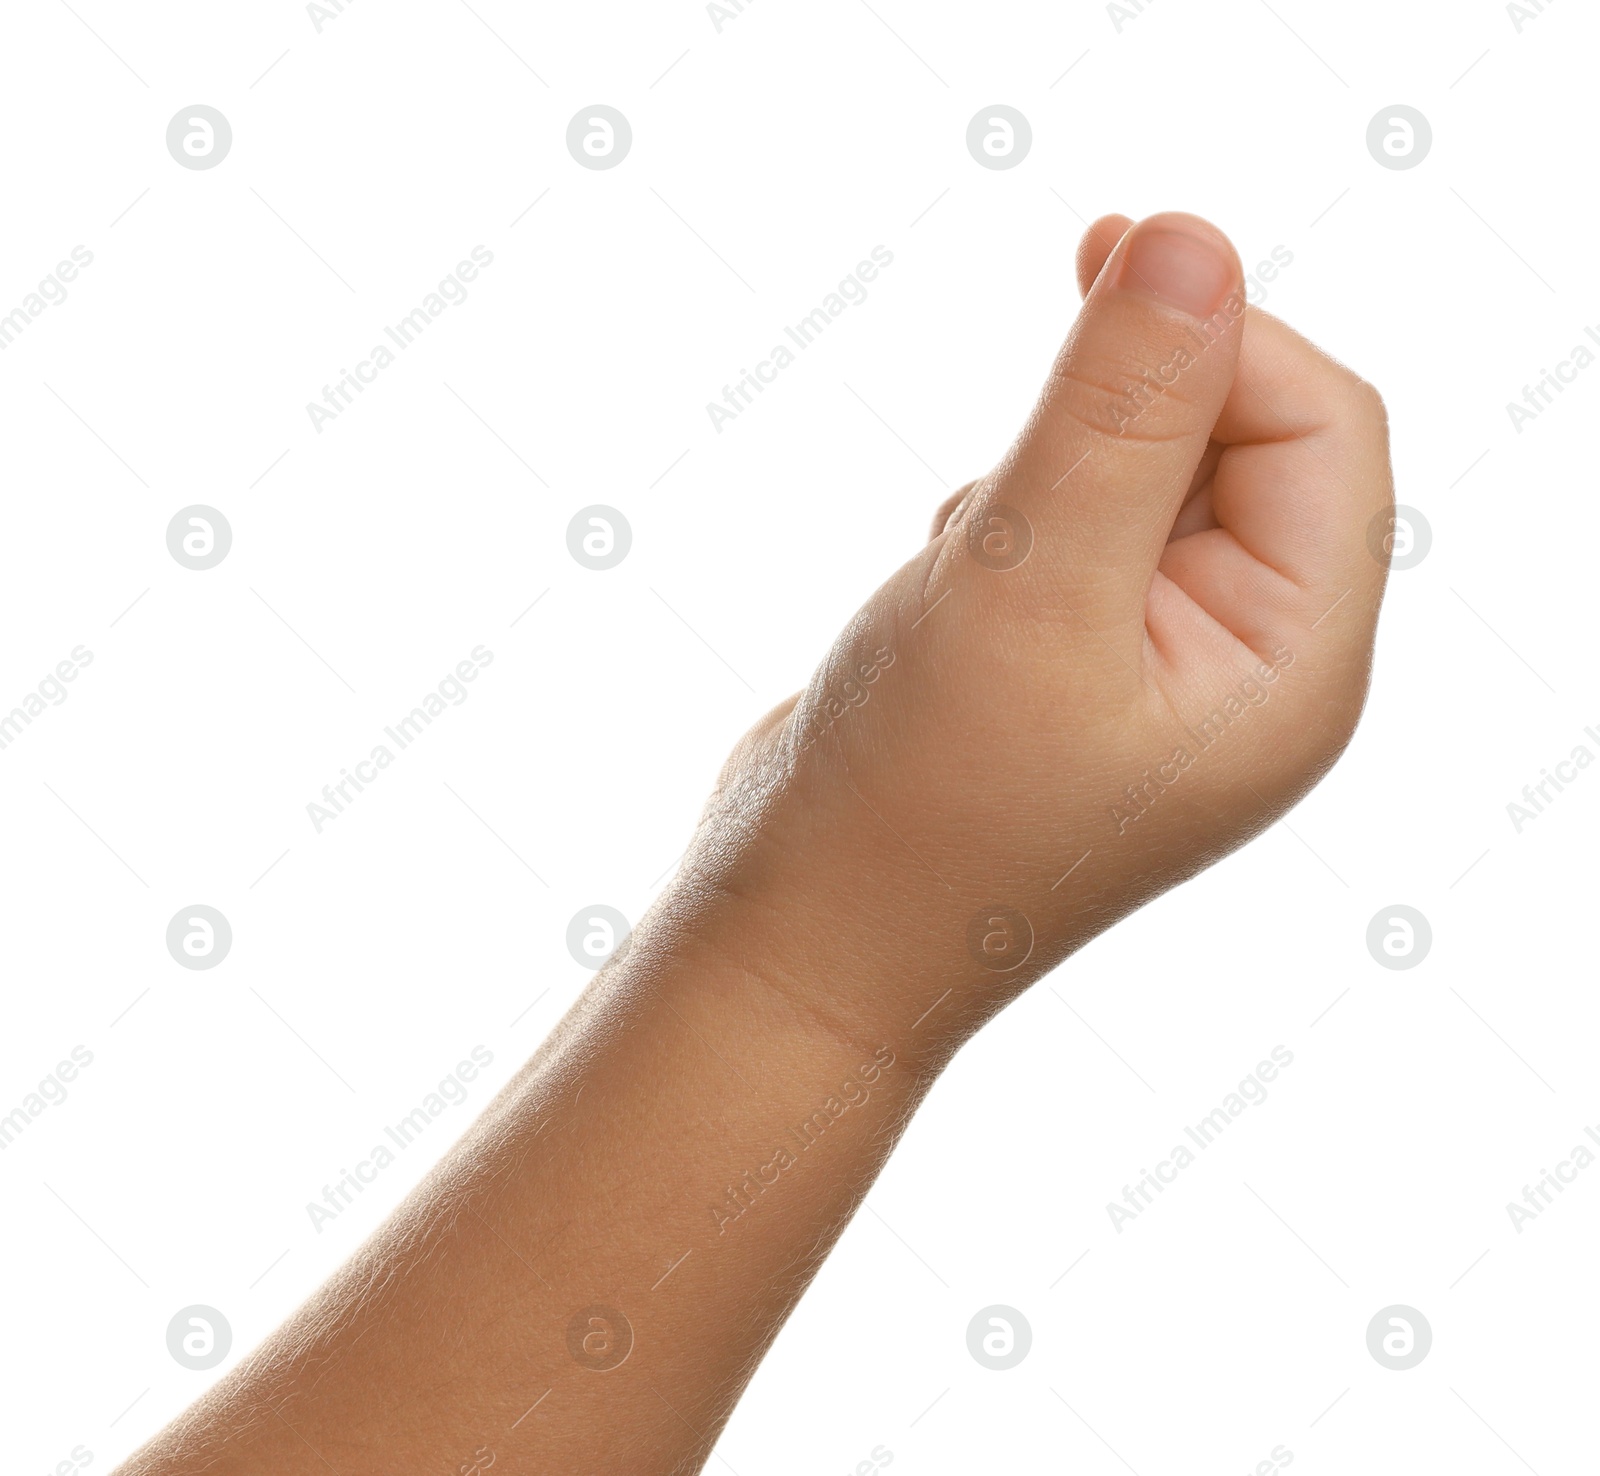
(987, 770)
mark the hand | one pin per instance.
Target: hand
(1131, 646)
(1012, 745)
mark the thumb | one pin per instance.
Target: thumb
(1105, 461)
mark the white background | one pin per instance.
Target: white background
(768, 159)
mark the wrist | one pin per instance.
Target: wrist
(840, 953)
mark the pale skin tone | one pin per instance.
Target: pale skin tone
(982, 745)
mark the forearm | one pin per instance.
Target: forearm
(1078, 695)
(683, 1151)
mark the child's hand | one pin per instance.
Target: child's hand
(1128, 648)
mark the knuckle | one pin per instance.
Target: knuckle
(1126, 400)
(1371, 399)
(1359, 399)
(949, 511)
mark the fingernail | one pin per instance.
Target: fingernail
(1186, 271)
